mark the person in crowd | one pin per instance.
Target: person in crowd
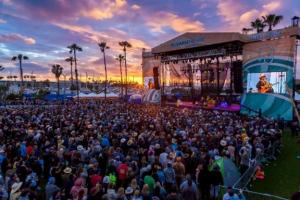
(216, 179)
(204, 181)
(230, 195)
(115, 150)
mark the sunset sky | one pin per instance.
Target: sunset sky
(42, 29)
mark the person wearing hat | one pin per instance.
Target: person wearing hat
(263, 85)
(129, 192)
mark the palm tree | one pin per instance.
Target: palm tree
(73, 48)
(1, 69)
(103, 46)
(70, 59)
(272, 20)
(259, 25)
(20, 57)
(120, 58)
(125, 45)
(57, 71)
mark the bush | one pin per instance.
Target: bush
(41, 93)
(13, 96)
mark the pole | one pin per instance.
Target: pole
(76, 74)
(86, 77)
(120, 60)
(105, 89)
(218, 76)
(231, 76)
(125, 72)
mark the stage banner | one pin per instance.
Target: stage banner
(268, 74)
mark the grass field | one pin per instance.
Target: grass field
(282, 177)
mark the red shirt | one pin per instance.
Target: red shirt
(29, 150)
(122, 171)
(95, 178)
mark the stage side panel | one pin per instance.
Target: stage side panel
(268, 77)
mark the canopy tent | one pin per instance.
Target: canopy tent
(55, 97)
(136, 98)
(152, 96)
(229, 171)
(100, 95)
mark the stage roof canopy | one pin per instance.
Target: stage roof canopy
(192, 40)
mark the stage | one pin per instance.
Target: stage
(230, 108)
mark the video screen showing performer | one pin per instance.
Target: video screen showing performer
(270, 82)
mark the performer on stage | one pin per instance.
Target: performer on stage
(263, 85)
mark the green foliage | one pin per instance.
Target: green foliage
(73, 87)
(41, 93)
(3, 90)
(14, 96)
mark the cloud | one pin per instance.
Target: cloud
(2, 21)
(248, 16)
(229, 10)
(239, 15)
(58, 10)
(106, 11)
(272, 6)
(160, 20)
(93, 36)
(135, 7)
(14, 37)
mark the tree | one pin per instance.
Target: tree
(125, 45)
(246, 30)
(73, 49)
(1, 69)
(120, 58)
(46, 83)
(20, 58)
(259, 25)
(70, 59)
(103, 47)
(57, 71)
(272, 20)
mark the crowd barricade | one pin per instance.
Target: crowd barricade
(250, 195)
(267, 155)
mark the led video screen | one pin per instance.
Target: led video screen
(269, 82)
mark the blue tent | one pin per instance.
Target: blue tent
(229, 171)
(55, 97)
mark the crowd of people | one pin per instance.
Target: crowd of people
(114, 150)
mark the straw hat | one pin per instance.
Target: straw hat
(123, 140)
(67, 170)
(79, 148)
(223, 143)
(262, 76)
(129, 190)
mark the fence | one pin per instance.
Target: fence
(244, 180)
(250, 195)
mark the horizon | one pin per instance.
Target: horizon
(142, 23)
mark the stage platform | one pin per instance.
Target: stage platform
(230, 108)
